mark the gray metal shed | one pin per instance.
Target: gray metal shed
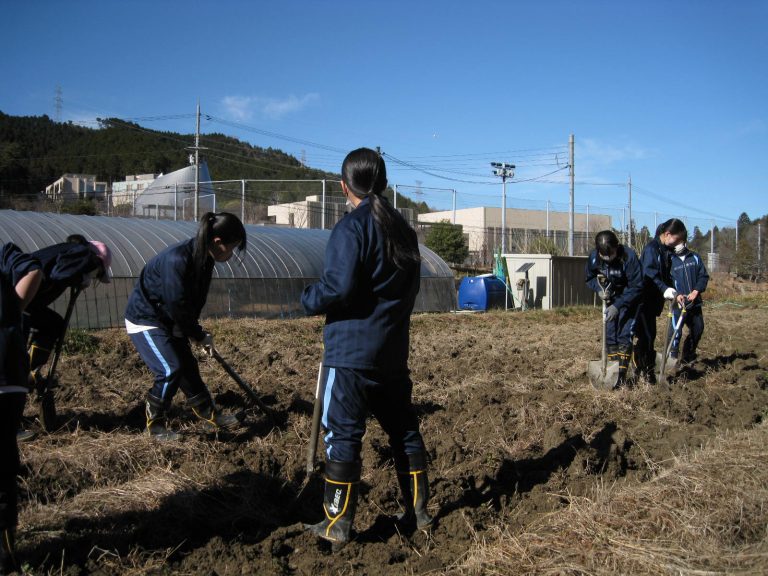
(554, 280)
(265, 282)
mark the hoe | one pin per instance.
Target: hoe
(44, 385)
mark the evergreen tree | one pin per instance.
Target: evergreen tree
(447, 241)
(743, 220)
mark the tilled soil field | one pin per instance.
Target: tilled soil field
(513, 428)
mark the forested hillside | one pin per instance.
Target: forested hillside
(35, 151)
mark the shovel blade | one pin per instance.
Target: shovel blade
(600, 380)
(670, 366)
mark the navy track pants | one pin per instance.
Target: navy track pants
(694, 319)
(350, 395)
(171, 361)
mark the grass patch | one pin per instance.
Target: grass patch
(79, 341)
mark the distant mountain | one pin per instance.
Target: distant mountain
(35, 151)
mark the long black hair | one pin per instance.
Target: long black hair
(365, 174)
(223, 225)
(672, 226)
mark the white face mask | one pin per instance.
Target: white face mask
(681, 248)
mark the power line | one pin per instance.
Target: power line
(689, 207)
(276, 135)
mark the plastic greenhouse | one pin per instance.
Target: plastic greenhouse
(266, 281)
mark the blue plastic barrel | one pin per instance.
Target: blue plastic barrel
(481, 293)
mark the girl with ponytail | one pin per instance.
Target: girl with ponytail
(162, 317)
(367, 293)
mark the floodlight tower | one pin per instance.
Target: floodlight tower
(505, 171)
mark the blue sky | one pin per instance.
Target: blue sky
(673, 93)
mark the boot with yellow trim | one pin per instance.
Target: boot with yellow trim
(38, 356)
(156, 411)
(342, 481)
(8, 564)
(414, 485)
(623, 355)
(214, 419)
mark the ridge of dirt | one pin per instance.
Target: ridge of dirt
(512, 426)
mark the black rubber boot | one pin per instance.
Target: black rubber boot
(645, 364)
(156, 419)
(8, 563)
(339, 503)
(214, 419)
(414, 485)
(38, 356)
(623, 356)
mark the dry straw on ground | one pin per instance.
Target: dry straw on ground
(707, 514)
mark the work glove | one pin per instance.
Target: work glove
(606, 294)
(670, 294)
(611, 313)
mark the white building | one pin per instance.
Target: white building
(308, 213)
(125, 192)
(165, 195)
(73, 187)
(482, 227)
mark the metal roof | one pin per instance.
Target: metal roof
(177, 190)
(266, 280)
(272, 251)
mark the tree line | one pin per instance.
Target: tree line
(35, 151)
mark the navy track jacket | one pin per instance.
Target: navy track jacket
(367, 300)
(14, 365)
(656, 274)
(14, 265)
(168, 292)
(624, 274)
(689, 274)
(65, 266)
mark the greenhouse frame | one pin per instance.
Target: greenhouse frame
(265, 281)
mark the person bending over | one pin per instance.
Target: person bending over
(162, 317)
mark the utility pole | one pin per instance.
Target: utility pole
(197, 164)
(454, 205)
(322, 220)
(570, 212)
(588, 234)
(712, 239)
(630, 211)
(242, 201)
(505, 171)
(197, 149)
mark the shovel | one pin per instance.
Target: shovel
(317, 413)
(44, 386)
(269, 412)
(663, 360)
(603, 374)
